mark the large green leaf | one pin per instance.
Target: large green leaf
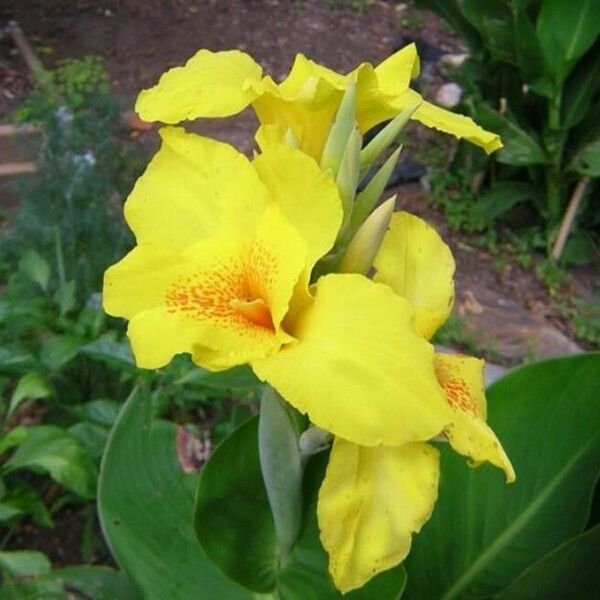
(580, 88)
(566, 31)
(569, 571)
(484, 533)
(145, 503)
(493, 20)
(235, 527)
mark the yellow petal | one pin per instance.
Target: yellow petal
(307, 197)
(308, 118)
(211, 84)
(141, 279)
(459, 126)
(358, 367)
(416, 263)
(396, 71)
(194, 188)
(462, 378)
(304, 77)
(370, 503)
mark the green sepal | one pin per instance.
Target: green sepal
(386, 137)
(348, 176)
(364, 246)
(367, 199)
(340, 132)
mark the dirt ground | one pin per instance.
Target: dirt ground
(508, 311)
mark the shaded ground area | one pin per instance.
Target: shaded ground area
(508, 313)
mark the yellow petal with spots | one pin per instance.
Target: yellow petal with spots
(358, 367)
(462, 378)
(371, 502)
(416, 263)
(222, 299)
(194, 188)
(211, 84)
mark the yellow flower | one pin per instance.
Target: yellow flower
(221, 270)
(220, 84)
(373, 499)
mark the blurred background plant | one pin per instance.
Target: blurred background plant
(71, 205)
(533, 76)
(65, 367)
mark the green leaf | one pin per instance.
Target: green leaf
(450, 11)
(587, 159)
(32, 386)
(237, 377)
(109, 350)
(51, 450)
(26, 500)
(24, 563)
(502, 197)
(520, 148)
(66, 297)
(36, 268)
(15, 360)
(78, 582)
(233, 521)
(59, 350)
(95, 583)
(236, 529)
(569, 571)
(580, 89)
(93, 437)
(483, 532)
(145, 502)
(99, 412)
(7, 512)
(492, 19)
(566, 34)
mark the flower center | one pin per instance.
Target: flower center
(255, 311)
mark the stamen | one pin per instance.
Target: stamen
(255, 311)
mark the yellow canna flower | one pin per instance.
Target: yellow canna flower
(373, 499)
(221, 270)
(304, 104)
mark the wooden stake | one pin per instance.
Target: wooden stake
(29, 56)
(567, 222)
(19, 168)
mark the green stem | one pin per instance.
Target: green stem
(554, 171)
(281, 467)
